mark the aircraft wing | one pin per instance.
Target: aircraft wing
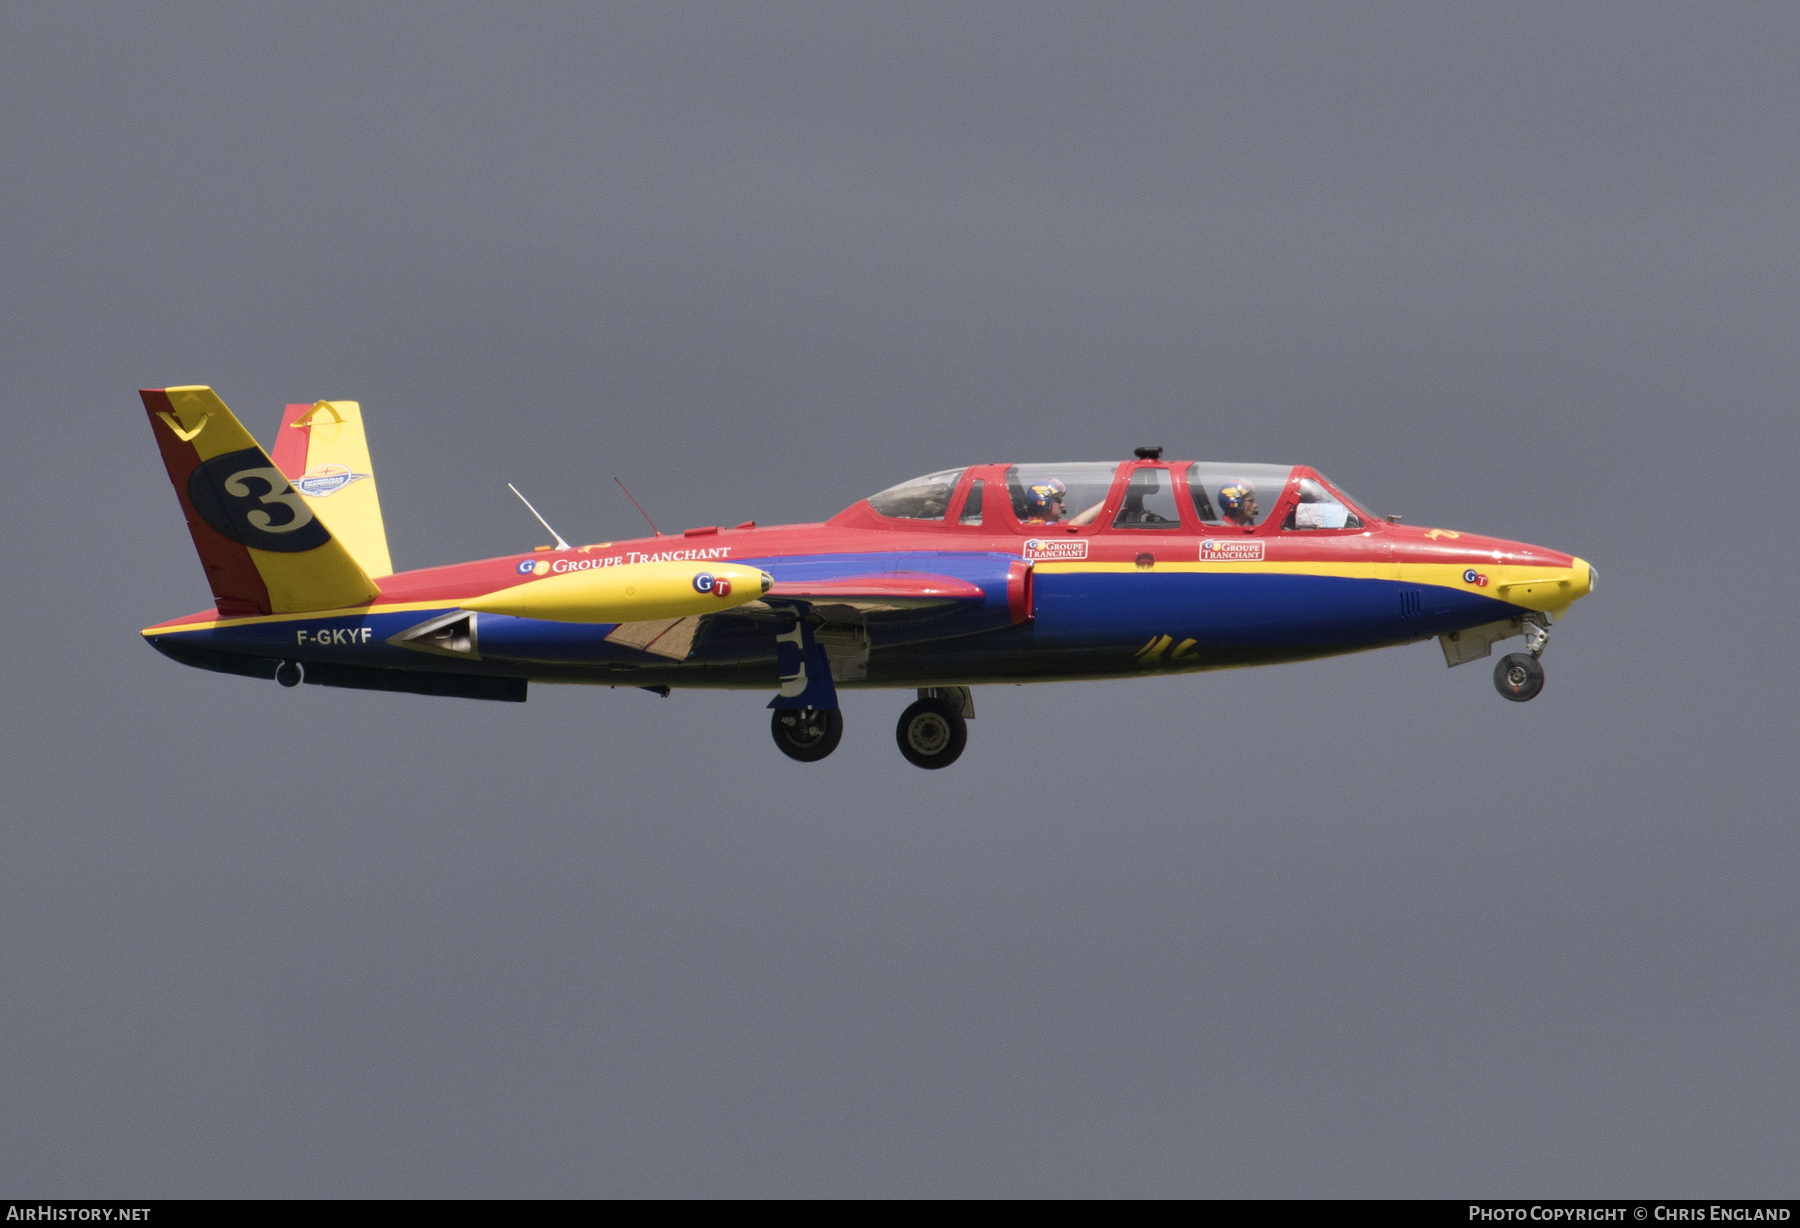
(919, 602)
(878, 593)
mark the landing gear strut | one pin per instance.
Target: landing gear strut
(932, 733)
(1520, 676)
(806, 734)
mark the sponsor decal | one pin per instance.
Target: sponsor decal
(564, 564)
(1474, 577)
(249, 501)
(323, 480)
(1057, 548)
(1230, 550)
(333, 637)
(677, 556)
(718, 586)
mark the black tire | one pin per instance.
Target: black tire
(288, 673)
(1519, 676)
(932, 733)
(807, 736)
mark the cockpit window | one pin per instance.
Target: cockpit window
(1149, 501)
(1236, 494)
(926, 498)
(1059, 494)
(1318, 508)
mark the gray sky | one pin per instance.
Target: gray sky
(1357, 927)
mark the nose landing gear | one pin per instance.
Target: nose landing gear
(1520, 675)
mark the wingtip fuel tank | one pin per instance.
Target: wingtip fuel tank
(631, 592)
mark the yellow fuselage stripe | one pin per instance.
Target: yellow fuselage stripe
(1531, 586)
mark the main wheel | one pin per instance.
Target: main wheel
(932, 733)
(807, 736)
(1519, 676)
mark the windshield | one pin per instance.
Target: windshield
(1318, 508)
(1357, 507)
(925, 498)
(1236, 494)
(1068, 494)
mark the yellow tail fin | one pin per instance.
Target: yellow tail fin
(324, 453)
(264, 549)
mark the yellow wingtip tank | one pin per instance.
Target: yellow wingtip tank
(632, 592)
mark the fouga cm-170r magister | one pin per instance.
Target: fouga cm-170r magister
(985, 574)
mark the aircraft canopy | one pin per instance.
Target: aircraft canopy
(1144, 494)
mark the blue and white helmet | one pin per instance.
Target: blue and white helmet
(1040, 496)
(1233, 497)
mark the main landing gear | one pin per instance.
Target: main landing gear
(807, 726)
(806, 734)
(1520, 675)
(932, 731)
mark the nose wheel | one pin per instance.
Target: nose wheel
(932, 733)
(807, 734)
(1520, 675)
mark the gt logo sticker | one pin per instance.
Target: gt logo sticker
(249, 501)
(718, 586)
(1055, 548)
(1474, 577)
(1227, 550)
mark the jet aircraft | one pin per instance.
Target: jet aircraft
(983, 574)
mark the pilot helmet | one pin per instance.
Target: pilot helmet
(1038, 496)
(1233, 497)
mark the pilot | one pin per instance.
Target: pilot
(1238, 502)
(1044, 502)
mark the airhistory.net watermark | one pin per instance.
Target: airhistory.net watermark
(56, 1213)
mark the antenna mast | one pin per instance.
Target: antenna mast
(560, 543)
(639, 507)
